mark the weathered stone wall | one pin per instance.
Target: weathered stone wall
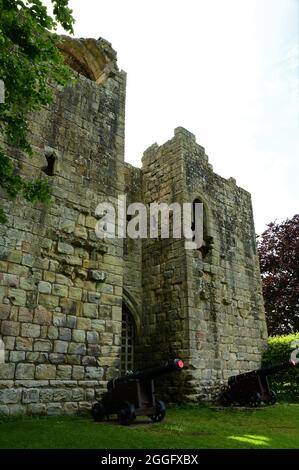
(60, 287)
(62, 291)
(164, 278)
(204, 305)
(132, 285)
(226, 315)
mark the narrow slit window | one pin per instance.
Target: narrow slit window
(207, 240)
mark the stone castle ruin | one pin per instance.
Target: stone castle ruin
(75, 310)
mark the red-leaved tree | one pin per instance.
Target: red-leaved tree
(278, 249)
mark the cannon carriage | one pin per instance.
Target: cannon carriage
(252, 388)
(134, 395)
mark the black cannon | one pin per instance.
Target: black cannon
(252, 388)
(133, 395)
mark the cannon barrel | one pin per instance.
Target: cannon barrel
(148, 374)
(263, 372)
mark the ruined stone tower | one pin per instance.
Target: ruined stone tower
(75, 310)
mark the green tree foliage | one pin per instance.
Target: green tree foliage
(29, 60)
(278, 249)
(286, 383)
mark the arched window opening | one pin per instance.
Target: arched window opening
(127, 342)
(49, 168)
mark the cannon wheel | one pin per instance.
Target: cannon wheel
(126, 413)
(98, 412)
(159, 415)
(226, 399)
(255, 400)
(273, 398)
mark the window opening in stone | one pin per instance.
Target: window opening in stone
(49, 169)
(207, 240)
(127, 343)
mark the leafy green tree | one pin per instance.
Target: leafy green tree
(29, 60)
(278, 249)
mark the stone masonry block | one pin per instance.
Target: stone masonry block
(94, 373)
(25, 371)
(42, 316)
(10, 328)
(7, 371)
(10, 395)
(30, 330)
(45, 372)
(78, 336)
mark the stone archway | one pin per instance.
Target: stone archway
(130, 303)
(93, 58)
(131, 326)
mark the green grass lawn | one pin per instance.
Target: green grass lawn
(185, 427)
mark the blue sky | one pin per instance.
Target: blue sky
(225, 70)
